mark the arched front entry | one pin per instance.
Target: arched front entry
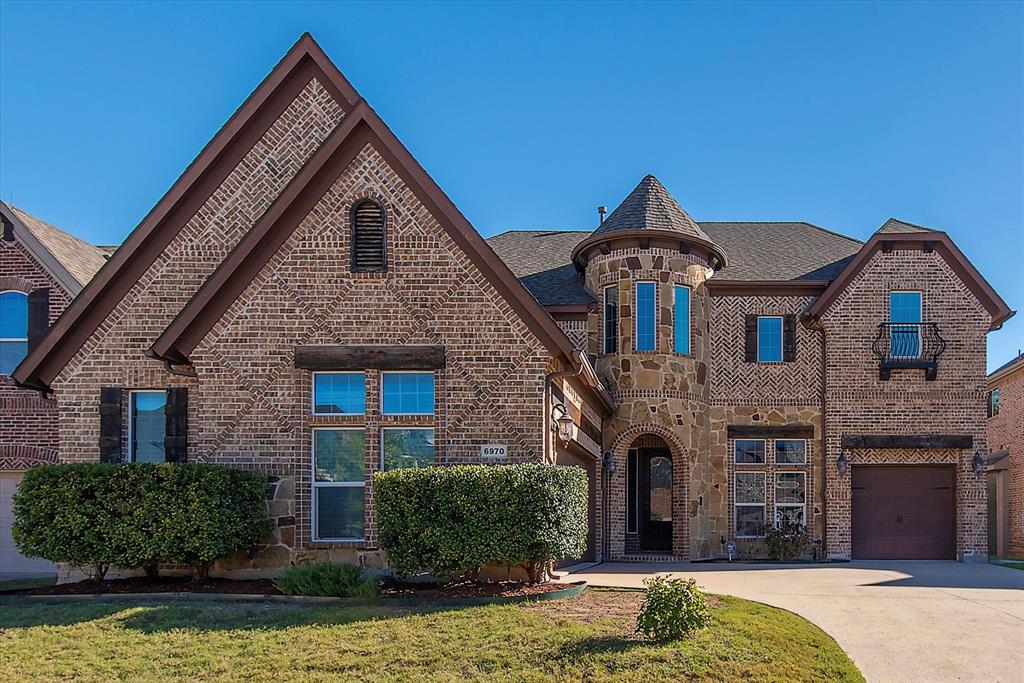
(649, 493)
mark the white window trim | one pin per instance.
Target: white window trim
(312, 386)
(17, 339)
(131, 407)
(433, 378)
(403, 428)
(314, 530)
(735, 443)
(636, 316)
(775, 452)
(782, 338)
(762, 505)
(604, 320)
(775, 495)
(689, 315)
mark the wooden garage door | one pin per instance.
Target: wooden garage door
(903, 513)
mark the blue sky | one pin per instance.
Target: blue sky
(530, 115)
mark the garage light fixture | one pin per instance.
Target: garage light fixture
(978, 463)
(843, 463)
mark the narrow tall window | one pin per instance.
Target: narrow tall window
(645, 329)
(681, 319)
(147, 426)
(339, 483)
(13, 330)
(905, 340)
(993, 402)
(750, 501)
(769, 339)
(368, 238)
(611, 319)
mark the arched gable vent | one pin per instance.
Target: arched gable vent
(369, 254)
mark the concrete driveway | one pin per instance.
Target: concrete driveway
(898, 621)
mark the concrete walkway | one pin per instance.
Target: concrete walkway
(898, 621)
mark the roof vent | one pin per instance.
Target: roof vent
(601, 211)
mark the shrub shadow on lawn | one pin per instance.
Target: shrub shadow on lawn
(28, 615)
(596, 645)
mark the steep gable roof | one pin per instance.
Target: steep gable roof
(72, 262)
(360, 126)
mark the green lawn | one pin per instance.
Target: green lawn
(588, 637)
(1011, 565)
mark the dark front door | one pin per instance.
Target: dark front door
(903, 513)
(655, 500)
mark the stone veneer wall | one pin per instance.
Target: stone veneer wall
(659, 393)
(858, 402)
(760, 394)
(28, 430)
(1006, 433)
(249, 407)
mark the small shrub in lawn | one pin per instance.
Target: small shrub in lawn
(328, 579)
(672, 608)
(786, 540)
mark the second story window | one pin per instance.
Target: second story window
(13, 330)
(407, 393)
(769, 339)
(993, 402)
(645, 316)
(369, 251)
(339, 393)
(905, 307)
(681, 319)
(147, 425)
(611, 319)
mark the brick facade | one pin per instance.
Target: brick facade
(1006, 433)
(28, 430)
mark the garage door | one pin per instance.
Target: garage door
(12, 563)
(903, 513)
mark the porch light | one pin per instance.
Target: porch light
(843, 463)
(563, 423)
(978, 463)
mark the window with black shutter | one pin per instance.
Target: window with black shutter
(789, 338)
(369, 253)
(110, 424)
(750, 338)
(176, 425)
(38, 316)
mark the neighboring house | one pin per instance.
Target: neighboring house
(41, 269)
(1006, 459)
(307, 302)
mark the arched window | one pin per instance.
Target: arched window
(13, 330)
(369, 253)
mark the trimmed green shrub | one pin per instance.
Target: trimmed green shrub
(671, 609)
(331, 579)
(138, 514)
(452, 520)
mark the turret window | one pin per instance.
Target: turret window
(681, 315)
(645, 316)
(368, 238)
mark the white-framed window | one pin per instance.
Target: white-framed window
(407, 447)
(645, 314)
(791, 451)
(905, 340)
(339, 393)
(790, 497)
(611, 319)
(749, 451)
(147, 425)
(339, 483)
(769, 339)
(13, 330)
(407, 393)
(749, 504)
(681, 319)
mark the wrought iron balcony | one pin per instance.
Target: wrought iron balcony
(908, 345)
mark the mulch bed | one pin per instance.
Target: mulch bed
(184, 584)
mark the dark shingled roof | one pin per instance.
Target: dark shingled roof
(1008, 364)
(650, 207)
(899, 227)
(757, 251)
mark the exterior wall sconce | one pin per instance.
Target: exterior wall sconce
(843, 463)
(978, 463)
(563, 423)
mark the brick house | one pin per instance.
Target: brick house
(307, 302)
(1005, 430)
(41, 269)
